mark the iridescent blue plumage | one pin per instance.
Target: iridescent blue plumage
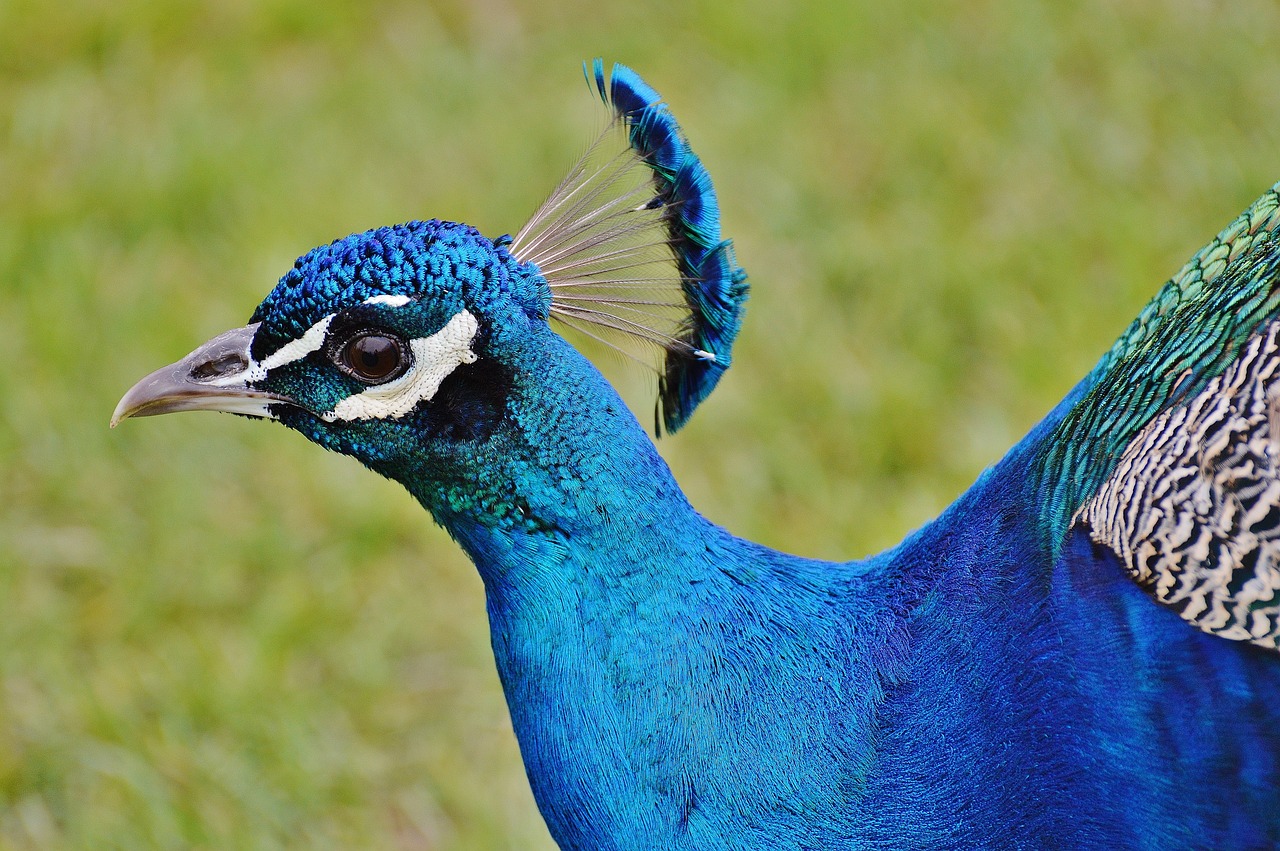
(1079, 653)
(450, 264)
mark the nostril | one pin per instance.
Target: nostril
(228, 364)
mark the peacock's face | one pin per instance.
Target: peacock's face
(418, 348)
(374, 345)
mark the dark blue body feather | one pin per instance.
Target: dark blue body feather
(675, 687)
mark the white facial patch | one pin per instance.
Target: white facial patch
(291, 351)
(392, 300)
(434, 359)
(298, 349)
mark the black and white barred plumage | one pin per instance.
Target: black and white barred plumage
(1193, 508)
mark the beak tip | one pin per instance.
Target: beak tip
(125, 408)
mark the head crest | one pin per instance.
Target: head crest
(630, 245)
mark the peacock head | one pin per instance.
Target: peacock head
(371, 343)
(397, 342)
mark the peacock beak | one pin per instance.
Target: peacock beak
(215, 377)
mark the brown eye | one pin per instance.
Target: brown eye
(373, 358)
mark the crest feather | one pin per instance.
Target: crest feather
(630, 245)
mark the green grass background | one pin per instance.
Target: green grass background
(213, 635)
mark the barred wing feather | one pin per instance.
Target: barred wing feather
(1171, 457)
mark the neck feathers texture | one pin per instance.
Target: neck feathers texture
(626, 627)
(573, 477)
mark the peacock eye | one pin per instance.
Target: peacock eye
(373, 358)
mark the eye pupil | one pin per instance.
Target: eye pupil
(373, 357)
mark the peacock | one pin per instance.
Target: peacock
(1080, 652)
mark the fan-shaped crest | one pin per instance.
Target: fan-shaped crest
(630, 245)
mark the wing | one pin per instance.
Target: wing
(1171, 455)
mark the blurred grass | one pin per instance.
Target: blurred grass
(212, 635)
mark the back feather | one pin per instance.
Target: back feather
(1170, 456)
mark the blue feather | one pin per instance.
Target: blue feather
(715, 287)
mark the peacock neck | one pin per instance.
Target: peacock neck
(619, 616)
(570, 478)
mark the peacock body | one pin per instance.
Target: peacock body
(1080, 652)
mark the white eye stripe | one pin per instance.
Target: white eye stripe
(294, 350)
(392, 300)
(434, 359)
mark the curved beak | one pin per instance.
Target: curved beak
(215, 377)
